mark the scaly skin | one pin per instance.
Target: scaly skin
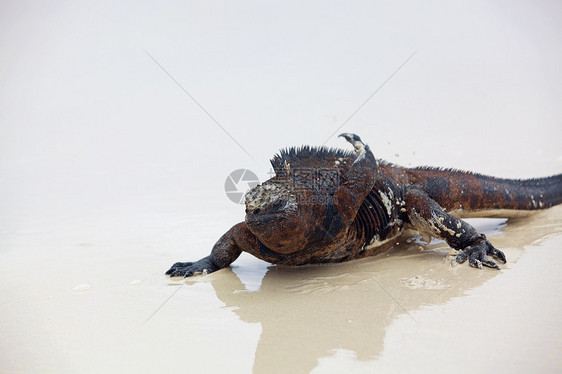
(328, 205)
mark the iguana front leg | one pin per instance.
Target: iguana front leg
(224, 252)
(428, 217)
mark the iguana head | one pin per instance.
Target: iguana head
(272, 213)
(291, 210)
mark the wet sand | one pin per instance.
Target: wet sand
(110, 173)
(99, 306)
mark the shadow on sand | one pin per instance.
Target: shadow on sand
(307, 313)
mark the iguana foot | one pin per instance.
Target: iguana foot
(477, 254)
(355, 140)
(187, 269)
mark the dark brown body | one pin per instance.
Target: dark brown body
(331, 206)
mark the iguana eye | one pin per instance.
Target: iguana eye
(253, 211)
(278, 205)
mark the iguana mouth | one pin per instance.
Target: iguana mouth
(257, 219)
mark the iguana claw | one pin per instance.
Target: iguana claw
(187, 269)
(477, 254)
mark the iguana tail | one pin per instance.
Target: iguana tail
(474, 194)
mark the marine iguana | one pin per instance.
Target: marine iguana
(329, 205)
